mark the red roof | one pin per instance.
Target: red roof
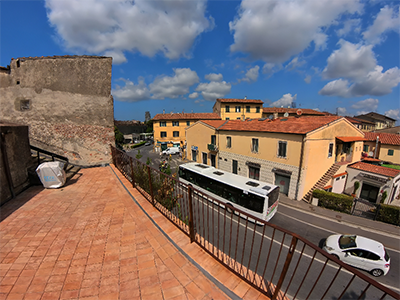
(385, 171)
(301, 125)
(214, 123)
(305, 111)
(371, 159)
(187, 116)
(384, 138)
(347, 139)
(358, 121)
(232, 100)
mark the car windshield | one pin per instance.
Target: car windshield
(347, 241)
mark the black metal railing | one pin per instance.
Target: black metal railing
(48, 155)
(277, 262)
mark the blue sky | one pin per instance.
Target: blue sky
(336, 56)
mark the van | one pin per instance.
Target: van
(171, 150)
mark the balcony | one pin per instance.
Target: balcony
(212, 147)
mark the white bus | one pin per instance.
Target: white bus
(255, 197)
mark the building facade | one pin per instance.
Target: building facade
(293, 153)
(380, 121)
(383, 146)
(238, 109)
(276, 112)
(169, 129)
(65, 101)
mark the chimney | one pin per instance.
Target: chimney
(163, 111)
(275, 115)
(245, 97)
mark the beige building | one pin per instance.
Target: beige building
(169, 129)
(276, 112)
(238, 109)
(293, 152)
(384, 146)
(380, 121)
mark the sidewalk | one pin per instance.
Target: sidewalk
(344, 218)
(91, 240)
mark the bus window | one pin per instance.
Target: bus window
(252, 202)
(273, 196)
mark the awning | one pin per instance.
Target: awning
(347, 139)
(281, 171)
(252, 164)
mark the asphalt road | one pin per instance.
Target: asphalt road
(312, 227)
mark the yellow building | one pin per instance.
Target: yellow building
(238, 109)
(380, 121)
(169, 129)
(384, 146)
(293, 152)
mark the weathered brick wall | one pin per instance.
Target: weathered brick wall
(15, 152)
(65, 101)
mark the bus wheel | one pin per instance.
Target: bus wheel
(229, 208)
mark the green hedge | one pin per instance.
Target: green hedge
(138, 144)
(338, 202)
(389, 214)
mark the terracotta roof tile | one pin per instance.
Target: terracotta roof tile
(214, 123)
(301, 125)
(188, 116)
(305, 111)
(358, 121)
(347, 139)
(384, 138)
(385, 171)
(232, 100)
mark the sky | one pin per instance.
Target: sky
(339, 56)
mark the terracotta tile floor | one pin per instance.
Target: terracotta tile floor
(90, 240)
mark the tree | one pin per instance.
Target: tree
(119, 137)
(138, 155)
(149, 125)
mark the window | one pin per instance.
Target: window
(188, 123)
(227, 108)
(237, 108)
(390, 152)
(175, 123)
(204, 158)
(254, 145)
(366, 148)
(25, 105)
(330, 151)
(254, 173)
(176, 133)
(228, 142)
(238, 118)
(247, 109)
(234, 166)
(282, 149)
(163, 134)
(257, 109)
(213, 140)
(226, 118)
(194, 155)
(163, 124)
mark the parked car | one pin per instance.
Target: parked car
(171, 150)
(147, 144)
(359, 252)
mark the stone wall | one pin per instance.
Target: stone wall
(66, 102)
(15, 153)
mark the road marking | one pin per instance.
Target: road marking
(342, 222)
(304, 254)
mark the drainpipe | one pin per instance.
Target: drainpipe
(300, 166)
(376, 146)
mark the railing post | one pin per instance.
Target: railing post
(132, 173)
(377, 211)
(354, 206)
(285, 267)
(151, 186)
(191, 227)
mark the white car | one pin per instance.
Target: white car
(171, 150)
(359, 252)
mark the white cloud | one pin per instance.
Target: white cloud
(341, 111)
(285, 101)
(214, 89)
(131, 92)
(295, 63)
(307, 79)
(193, 95)
(271, 68)
(175, 86)
(352, 25)
(387, 19)
(361, 75)
(366, 105)
(117, 56)
(214, 77)
(393, 113)
(150, 27)
(335, 88)
(350, 61)
(251, 74)
(275, 30)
